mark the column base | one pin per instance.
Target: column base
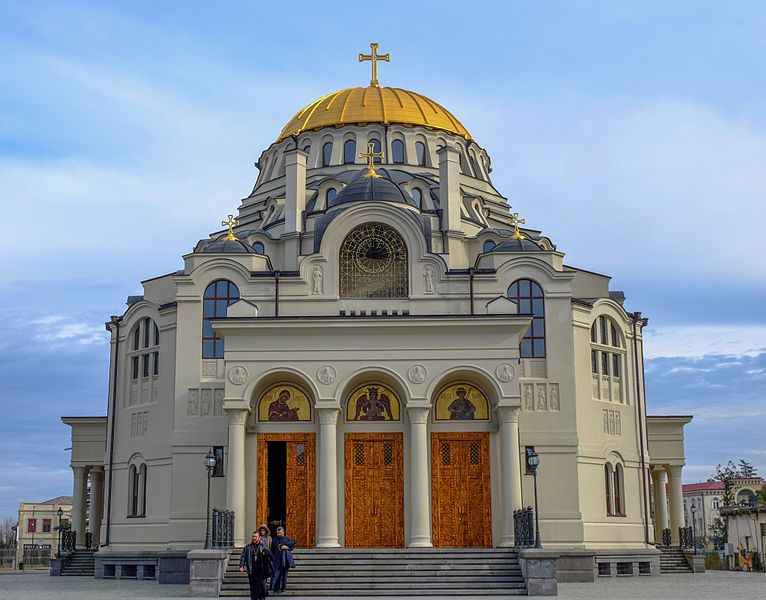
(420, 543)
(506, 543)
(328, 544)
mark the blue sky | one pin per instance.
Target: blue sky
(632, 133)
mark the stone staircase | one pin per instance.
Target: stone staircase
(673, 560)
(81, 563)
(393, 572)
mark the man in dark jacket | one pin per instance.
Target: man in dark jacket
(281, 546)
(256, 560)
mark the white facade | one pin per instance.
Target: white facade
(579, 402)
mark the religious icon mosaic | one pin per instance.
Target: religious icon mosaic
(373, 402)
(284, 403)
(462, 402)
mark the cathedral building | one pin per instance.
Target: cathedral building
(372, 348)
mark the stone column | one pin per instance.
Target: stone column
(94, 510)
(510, 470)
(251, 482)
(79, 500)
(327, 517)
(676, 502)
(420, 505)
(235, 472)
(660, 480)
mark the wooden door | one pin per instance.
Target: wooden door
(460, 490)
(301, 484)
(374, 491)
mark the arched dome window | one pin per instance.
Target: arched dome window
(330, 196)
(607, 359)
(528, 296)
(326, 154)
(373, 263)
(417, 196)
(489, 245)
(218, 296)
(144, 353)
(420, 153)
(307, 148)
(349, 152)
(397, 152)
(376, 147)
(259, 248)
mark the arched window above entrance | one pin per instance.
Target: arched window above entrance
(373, 263)
(284, 403)
(461, 402)
(373, 402)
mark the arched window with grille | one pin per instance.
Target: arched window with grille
(326, 154)
(397, 152)
(607, 357)
(218, 296)
(137, 489)
(529, 297)
(373, 263)
(420, 153)
(349, 152)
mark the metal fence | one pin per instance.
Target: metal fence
(8, 558)
(68, 540)
(524, 527)
(223, 528)
(685, 537)
(666, 537)
(37, 558)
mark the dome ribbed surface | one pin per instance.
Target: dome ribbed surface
(372, 104)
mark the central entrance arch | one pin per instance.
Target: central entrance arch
(374, 470)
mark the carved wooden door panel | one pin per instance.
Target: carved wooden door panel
(374, 490)
(300, 483)
(460, 490)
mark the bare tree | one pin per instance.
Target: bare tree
(6, 531)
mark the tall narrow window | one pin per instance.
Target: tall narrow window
(420, 153)
(218, 296)
(618, 507)
(155, 363)
(145, 365)
(376, 147)
(142, 491)
(156, 335)
(373, 263)
(528, 296)
(330, 196)
(134, 367)
(608, 352)
(397, 152)
(133, 485)
(136, 337)
(608, 488)
(147, 331)
(349, 152)
(417, 196)
(326, 154)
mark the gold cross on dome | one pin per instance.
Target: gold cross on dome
(371, 155)
(374, 57)
(232, 222)
(515, 221)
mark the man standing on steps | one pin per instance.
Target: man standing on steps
(282, 547)
(256, 560)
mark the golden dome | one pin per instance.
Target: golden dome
(373, 104)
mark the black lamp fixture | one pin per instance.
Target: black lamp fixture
(693, 509)
(533, 461)
(59, 514)
(209, 465)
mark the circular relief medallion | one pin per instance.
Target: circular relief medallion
(417, 373)
(505, 372)
(238, 375)
(326, 374)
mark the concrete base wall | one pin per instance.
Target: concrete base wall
(576, 566)
(626, 563)
(165, 566)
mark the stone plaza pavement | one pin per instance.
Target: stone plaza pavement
(713, 585)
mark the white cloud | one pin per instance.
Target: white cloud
(696, 341)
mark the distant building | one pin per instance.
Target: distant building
(707, 498)
(38, 527)
(747, 534)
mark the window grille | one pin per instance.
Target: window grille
(373, 263)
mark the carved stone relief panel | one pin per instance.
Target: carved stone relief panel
(139, 423)
(205, 402)
(210, 368)
(612, 422)
(540, 397)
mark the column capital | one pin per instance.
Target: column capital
(674, 470)
(418, 414)
(508, 414)
(79, 471)
(237, 416)
(328, 415)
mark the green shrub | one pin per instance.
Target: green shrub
(714, 562)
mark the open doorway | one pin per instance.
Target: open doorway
(277, 486)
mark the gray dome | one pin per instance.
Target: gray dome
(228, 246)
(525, 245)
(366, 189)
